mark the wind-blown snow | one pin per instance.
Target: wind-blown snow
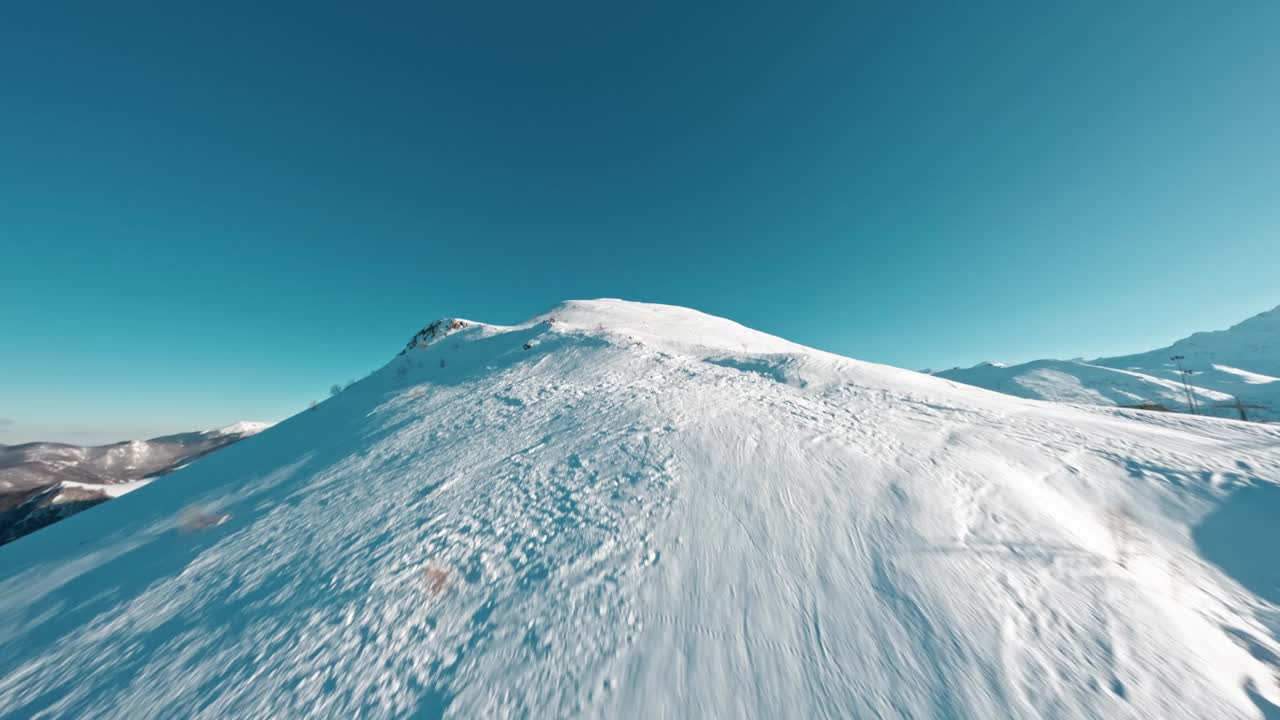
(651, 512)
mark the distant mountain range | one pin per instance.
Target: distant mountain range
(43, 482)
(1238, 365)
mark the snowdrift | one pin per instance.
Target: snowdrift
(634, 510)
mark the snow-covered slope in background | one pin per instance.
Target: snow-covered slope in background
(42, 482)
(628, 510)
(1241, 362)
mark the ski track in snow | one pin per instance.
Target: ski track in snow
(621, 522)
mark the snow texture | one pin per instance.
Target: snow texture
(651, 512)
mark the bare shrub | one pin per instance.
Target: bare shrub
(438, 578)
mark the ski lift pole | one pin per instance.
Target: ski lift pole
(1186, 387)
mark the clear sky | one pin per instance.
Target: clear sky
(213, 211)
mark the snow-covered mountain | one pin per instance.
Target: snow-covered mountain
(1240, 364)
(629, 510)
(42, 482)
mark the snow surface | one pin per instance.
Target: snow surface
(651, 512)
(1240, 362)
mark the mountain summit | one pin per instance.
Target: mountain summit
(622, 509)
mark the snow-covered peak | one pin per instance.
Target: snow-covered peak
(244, 427)
(668, 327)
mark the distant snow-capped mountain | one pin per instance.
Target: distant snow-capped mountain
(1239, 364)
(43, 482)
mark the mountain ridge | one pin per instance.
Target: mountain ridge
(1238, 364)
(43, 482)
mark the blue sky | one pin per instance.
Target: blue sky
(214, 211)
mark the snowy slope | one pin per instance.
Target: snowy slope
(1242, 362)
(629, 510)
